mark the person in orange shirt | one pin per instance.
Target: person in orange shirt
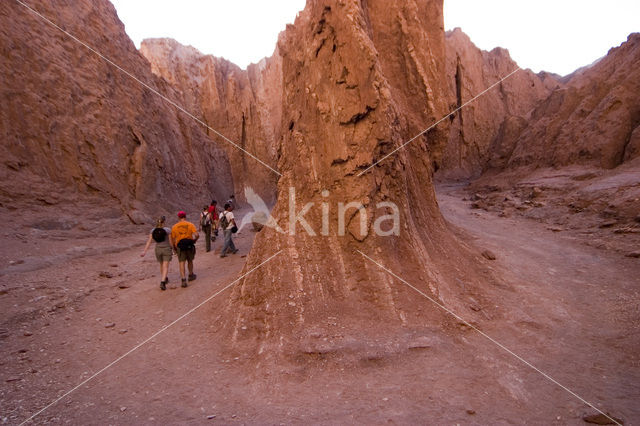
(184, 236)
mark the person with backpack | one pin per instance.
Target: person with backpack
(228, 226)
(164, 243)
(205, 225)
(184, 236)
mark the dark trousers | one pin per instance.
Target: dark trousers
(207, 233)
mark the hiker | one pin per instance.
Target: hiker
(184, 236)
(213, 211)
(232, 201)
(228, 226)
(205, 225)
(162, 236)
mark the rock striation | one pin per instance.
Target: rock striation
(348, 83)
(75, 127)
(359, 79)
(483, 133)
(243, 105)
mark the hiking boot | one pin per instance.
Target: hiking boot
(192, 277)
(163, 285)
(235, 251)
(184, 282)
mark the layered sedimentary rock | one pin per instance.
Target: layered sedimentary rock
(243, 105)
(359, 79)
(482, 133)
(74, 126)
(593, 120)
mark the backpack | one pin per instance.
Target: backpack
(205, 219)
(159, 235)
(224, 222)
(186, 244)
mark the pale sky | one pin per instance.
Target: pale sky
(242, 31)
(552, 35)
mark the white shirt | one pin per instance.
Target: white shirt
(230, 217)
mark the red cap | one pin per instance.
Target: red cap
(182, 214)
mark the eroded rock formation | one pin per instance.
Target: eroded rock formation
(594, 120)
(359, 79)
(73, 126)
(349, 82)
(482, 133)
(590, 117)
(243, 105)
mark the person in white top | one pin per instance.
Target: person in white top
(227, 224)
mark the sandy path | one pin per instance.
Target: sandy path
(572, 310)
(68, 317)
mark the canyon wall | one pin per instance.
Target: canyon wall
(482, 132)
(243, 105)
(590, 117)
(359, 79)
(75, 127)
(348, 83)
(594, 120)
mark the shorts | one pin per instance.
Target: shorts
(184, 255)
(163, 254)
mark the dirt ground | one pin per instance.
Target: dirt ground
(73, 300)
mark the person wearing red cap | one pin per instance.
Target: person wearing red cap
(184, 236)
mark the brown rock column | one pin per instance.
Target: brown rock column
(359, 80)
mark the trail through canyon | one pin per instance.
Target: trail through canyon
(569, 309)
(517, 210)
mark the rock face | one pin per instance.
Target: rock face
(348, 83)
(243, 105)
(75, 127)
(482, 133)
(590, 117)
(359, 79)
(593, 120)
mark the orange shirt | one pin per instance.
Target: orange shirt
(182, 230)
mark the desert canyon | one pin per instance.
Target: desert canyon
(508, 294)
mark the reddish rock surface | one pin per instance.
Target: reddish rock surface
(359, 80)
(243, 105)
(589, 118)
(482, 133)
(578, 148)
(592, 121)
(600, 203)
(75, 128)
